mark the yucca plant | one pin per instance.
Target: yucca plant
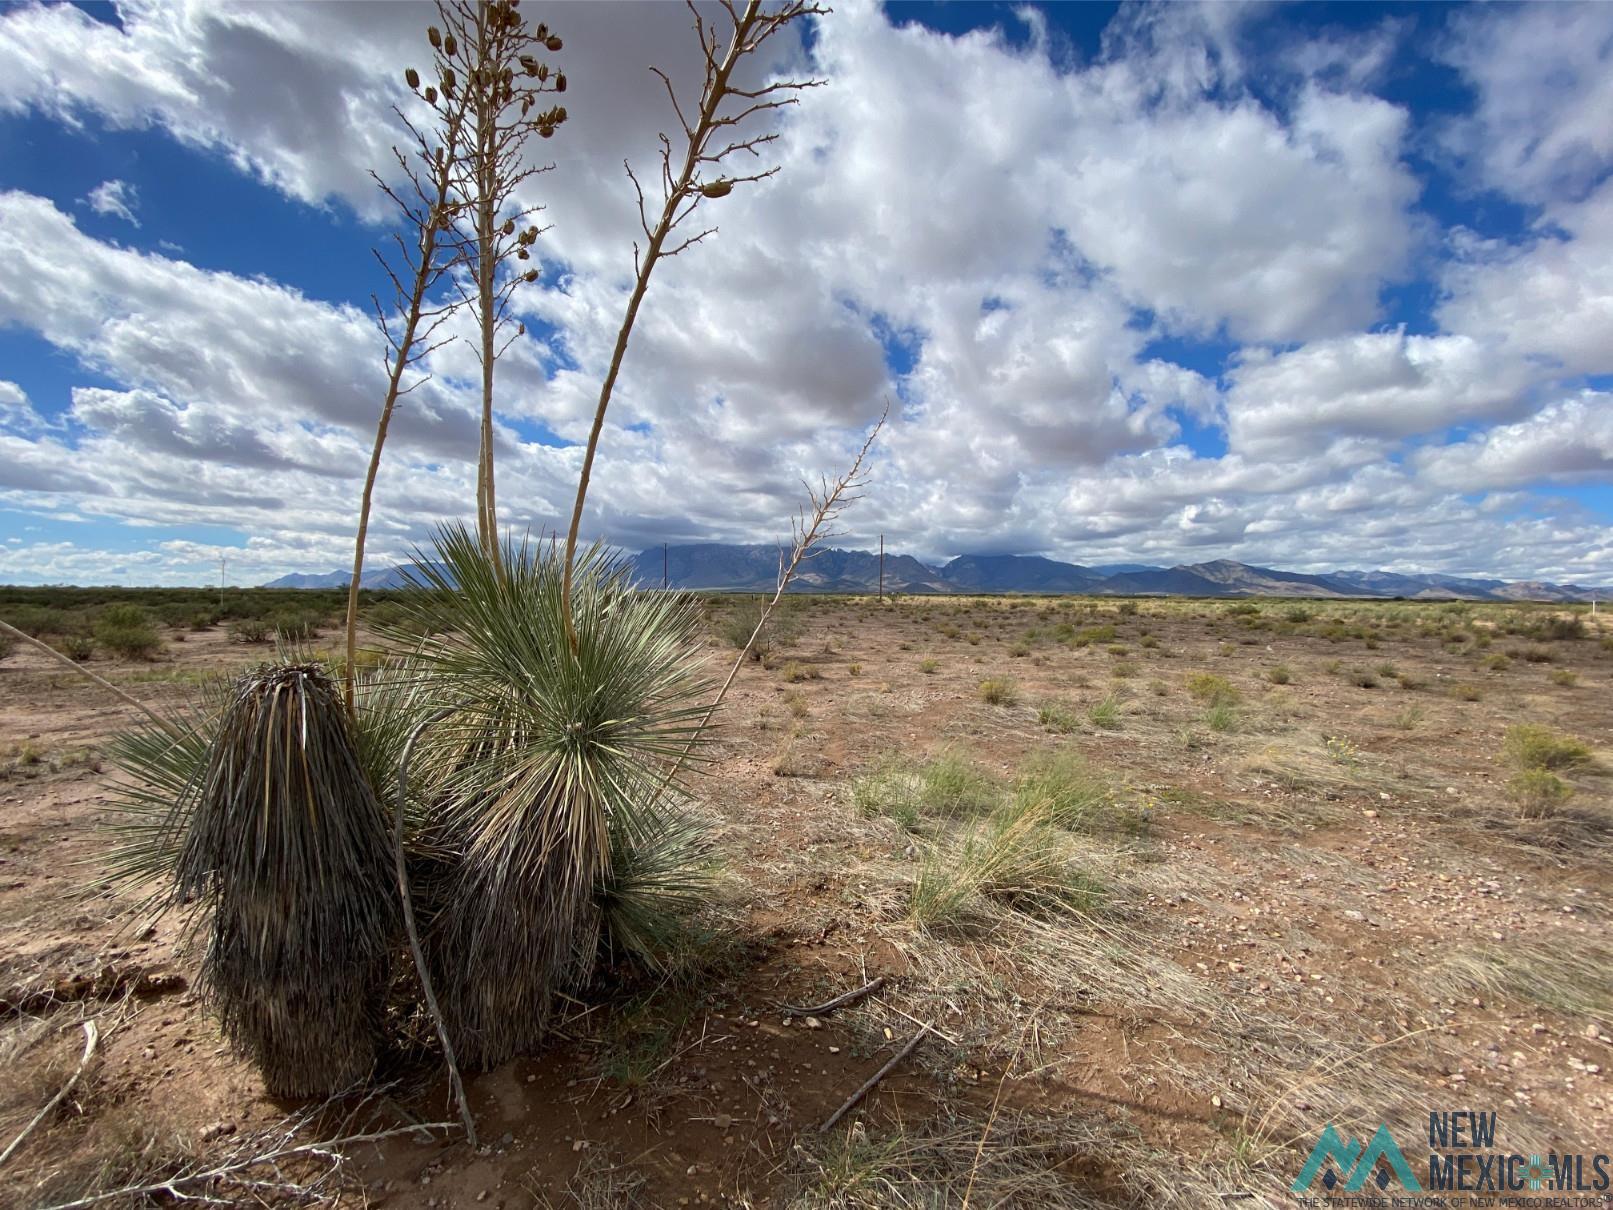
(541, 778)
(280, 850)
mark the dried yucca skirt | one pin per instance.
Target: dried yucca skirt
(288, 855)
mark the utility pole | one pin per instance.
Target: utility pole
(882, 567)
(664, 580)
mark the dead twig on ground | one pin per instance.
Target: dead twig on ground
(840, 1001)
(890, 1065)
(326, 1149)
(92, 1038)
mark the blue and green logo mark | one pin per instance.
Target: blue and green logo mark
(1356, 1164)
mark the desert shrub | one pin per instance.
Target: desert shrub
(1409, 718)
(1019, 651)
(1538, 655)
(1531, 746)
(1537, 792)
(946, 785)
(1126, 609)
(1363, 678)
(1221, 716)
(127, 630)
(1123, 669)
(1243, 609)
(1063, 789)
(998, 691)
(1410, 680)
(1280, 674)
(1467, 692)
(1297, 614)
(248, 630)
(1571, 627)
(36, 621)
(795, 672)
(854, 669)
(740, 619)
(1498, 662)
(928, 667)
(1564, 677)
(78, 647)
(1095, 634)
(8, 644)
(1016, 856)
(296, 625)
(1213, 689)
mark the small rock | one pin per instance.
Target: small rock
(813, 1023)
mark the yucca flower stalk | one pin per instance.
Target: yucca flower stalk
(541, 776)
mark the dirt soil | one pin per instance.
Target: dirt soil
(1321, 904)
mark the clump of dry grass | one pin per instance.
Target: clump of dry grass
(998, 691)
(1009, 1158)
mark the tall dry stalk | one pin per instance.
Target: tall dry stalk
(685, 187)
(418, 265)
(492, 53)
(811, 526)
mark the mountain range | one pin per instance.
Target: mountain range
(721, 567)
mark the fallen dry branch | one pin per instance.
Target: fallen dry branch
(161, 722)
(890, 1065)
(92, 1038)
(840, 1001)
(327, 1149)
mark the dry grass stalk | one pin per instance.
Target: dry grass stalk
(809, 528)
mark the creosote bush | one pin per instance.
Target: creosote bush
(127, 631)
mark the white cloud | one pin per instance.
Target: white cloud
(1024, 226)
(1544, 78)
(1570, 441)
(117, 198)
(1383, 385)
(1550, 299)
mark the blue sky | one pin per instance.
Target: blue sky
(1312, 286)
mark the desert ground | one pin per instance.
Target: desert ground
(1165, 885)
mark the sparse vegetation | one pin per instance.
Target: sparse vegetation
(998, 691)
(1530, 746)
(127, 631)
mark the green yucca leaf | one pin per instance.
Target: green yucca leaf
(551, 755)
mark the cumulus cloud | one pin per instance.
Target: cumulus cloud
(1544, 78)
(117, 198)
(997, 239)
(1570, 441)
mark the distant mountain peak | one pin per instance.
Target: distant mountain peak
(753, 567)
